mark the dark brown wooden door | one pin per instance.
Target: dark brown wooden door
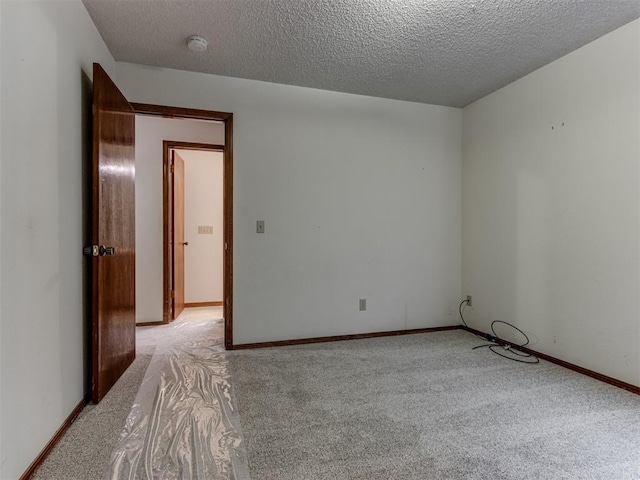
(113, 271)
(178, 235)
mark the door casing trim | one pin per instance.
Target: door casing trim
(227, 149)
(167, 217)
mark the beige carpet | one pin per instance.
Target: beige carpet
(412, 407)
(428, 407)
(83, 452)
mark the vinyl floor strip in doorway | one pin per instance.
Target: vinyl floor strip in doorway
(184, 423)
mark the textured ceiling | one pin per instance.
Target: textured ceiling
(444, 52)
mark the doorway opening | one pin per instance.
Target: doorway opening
(195, 224)
(168, 241)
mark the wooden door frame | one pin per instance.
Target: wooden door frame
(227, 149)
(168, 216)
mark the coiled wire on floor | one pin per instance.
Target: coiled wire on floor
(502, 347)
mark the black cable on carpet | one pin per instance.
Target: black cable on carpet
(499, 345)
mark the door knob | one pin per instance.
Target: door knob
(107, 250)
(95, 250)
(185, 243)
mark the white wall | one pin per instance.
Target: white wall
(551, 206)
(150, 133)
(45, 114)
(2, 455)
(361, 199)
(203, 207)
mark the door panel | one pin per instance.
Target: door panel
(178, 235)
(113, 276)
